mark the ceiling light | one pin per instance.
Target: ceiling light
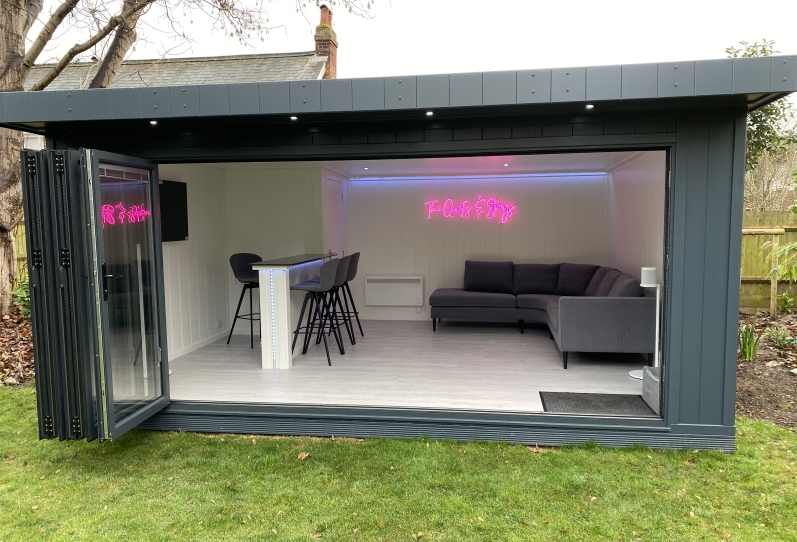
(429, 113)
(365, 168)
(506, 165)
(153, 122)
(590, 106)
(294, 118)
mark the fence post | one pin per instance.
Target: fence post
(773, 283)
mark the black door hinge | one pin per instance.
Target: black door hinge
(76, 426)
(37, 258)
(65, 257)
(48, 427)
(31, 163)
(59, 164)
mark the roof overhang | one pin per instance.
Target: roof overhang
(744, 83)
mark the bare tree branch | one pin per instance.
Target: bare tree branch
(46, 33)
(123, 39)
(33, 8)
(76, 49)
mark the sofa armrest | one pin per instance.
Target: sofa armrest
(607, 324)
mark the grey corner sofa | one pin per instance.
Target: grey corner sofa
(588, 308)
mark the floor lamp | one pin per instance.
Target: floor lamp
(649, 280)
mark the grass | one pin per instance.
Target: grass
(184, 486)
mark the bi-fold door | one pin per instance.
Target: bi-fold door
(94, 261)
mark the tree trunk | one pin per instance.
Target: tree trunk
(14, 17)
(123, 39)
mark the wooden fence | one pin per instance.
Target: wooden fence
(759, 227)
(22, 251)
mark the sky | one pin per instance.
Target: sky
(407, 37)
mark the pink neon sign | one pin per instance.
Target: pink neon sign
(463, 210)
(113, 214)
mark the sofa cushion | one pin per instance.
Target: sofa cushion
(456, 297)
(536, 278)
(493, 277)
(606, 284)
(537, 301)
(553, 319)
(596, 280)
(625, 286)
(574, 278)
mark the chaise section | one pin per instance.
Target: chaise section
(457, 297)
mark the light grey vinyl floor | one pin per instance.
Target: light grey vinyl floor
(470, 366)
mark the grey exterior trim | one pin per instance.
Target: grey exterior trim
(754, 80)
(361, 422)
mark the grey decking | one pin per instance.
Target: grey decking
(402, 363)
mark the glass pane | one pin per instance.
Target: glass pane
(127, 226)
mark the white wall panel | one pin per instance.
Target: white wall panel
(195, 286)
(636, 211)
(557, 218)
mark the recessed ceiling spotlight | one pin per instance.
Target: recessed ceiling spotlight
(294, 118)
(506, 165)
(153, 122)
(429, 113)
(590, 106)
(365, 168)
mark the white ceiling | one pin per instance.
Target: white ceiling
(593, 162)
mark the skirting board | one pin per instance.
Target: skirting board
(174, 354)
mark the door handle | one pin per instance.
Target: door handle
(105, 277)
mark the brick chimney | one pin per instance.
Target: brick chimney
(326, 43)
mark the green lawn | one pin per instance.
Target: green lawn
(183, 486)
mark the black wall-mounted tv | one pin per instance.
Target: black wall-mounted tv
(174, 211)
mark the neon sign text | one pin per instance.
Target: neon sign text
(491, 207)
(118, 214)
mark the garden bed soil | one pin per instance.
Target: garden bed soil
(766, 388)
(16, 350)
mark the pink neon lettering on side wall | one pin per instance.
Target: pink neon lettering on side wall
(462, 210)
(119, 214)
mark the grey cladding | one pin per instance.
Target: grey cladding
(214, 100)
(275, 97)
(368, 94)
(640, 81)
(43, 105)
(305, 96)
(400, 92)
(752, 75)
(155, 102)
(713, 77)
(70, 105)
(466, 89)
(126, 103)
(98, 104)
(784, 74)
(433, 91)
(676, 79)
(15, 106)
(533, 86)
(336, 95)
(604, 83)
(568, 84)
(244, 99)
(499, 88)
(184, 101)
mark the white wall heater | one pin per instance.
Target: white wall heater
(394, 291)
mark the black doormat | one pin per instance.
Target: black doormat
(604, 404)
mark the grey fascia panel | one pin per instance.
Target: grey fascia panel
(69, 105)
(432, 91)
(752, 75)
(640, 81)
(676, 79)
(155, 102)
(214, 100)
(275, 97)
(336, 95)
(244, 98)
(42, 105)
(568, 84)
(604, 83)
(97, 104)
(533, 86)
(305, 96)
(368, 94)
(126, 103)
(784, 74)
(713, 77)
(184, 101)
(499, 88)
(14, 107)
(400, 92)
(466, 89)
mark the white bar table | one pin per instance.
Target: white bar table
(276, 278)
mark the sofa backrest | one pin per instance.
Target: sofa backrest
(625, 286)
(602, 281)
(574, 278)
(536, 278)
(494, 277)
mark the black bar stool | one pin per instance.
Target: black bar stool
(319, 312)
(352, 311)
(241, 264)
(341, 316)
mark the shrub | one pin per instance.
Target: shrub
(779, 336)
(21, 296)
(785, 302)
(748, 340)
